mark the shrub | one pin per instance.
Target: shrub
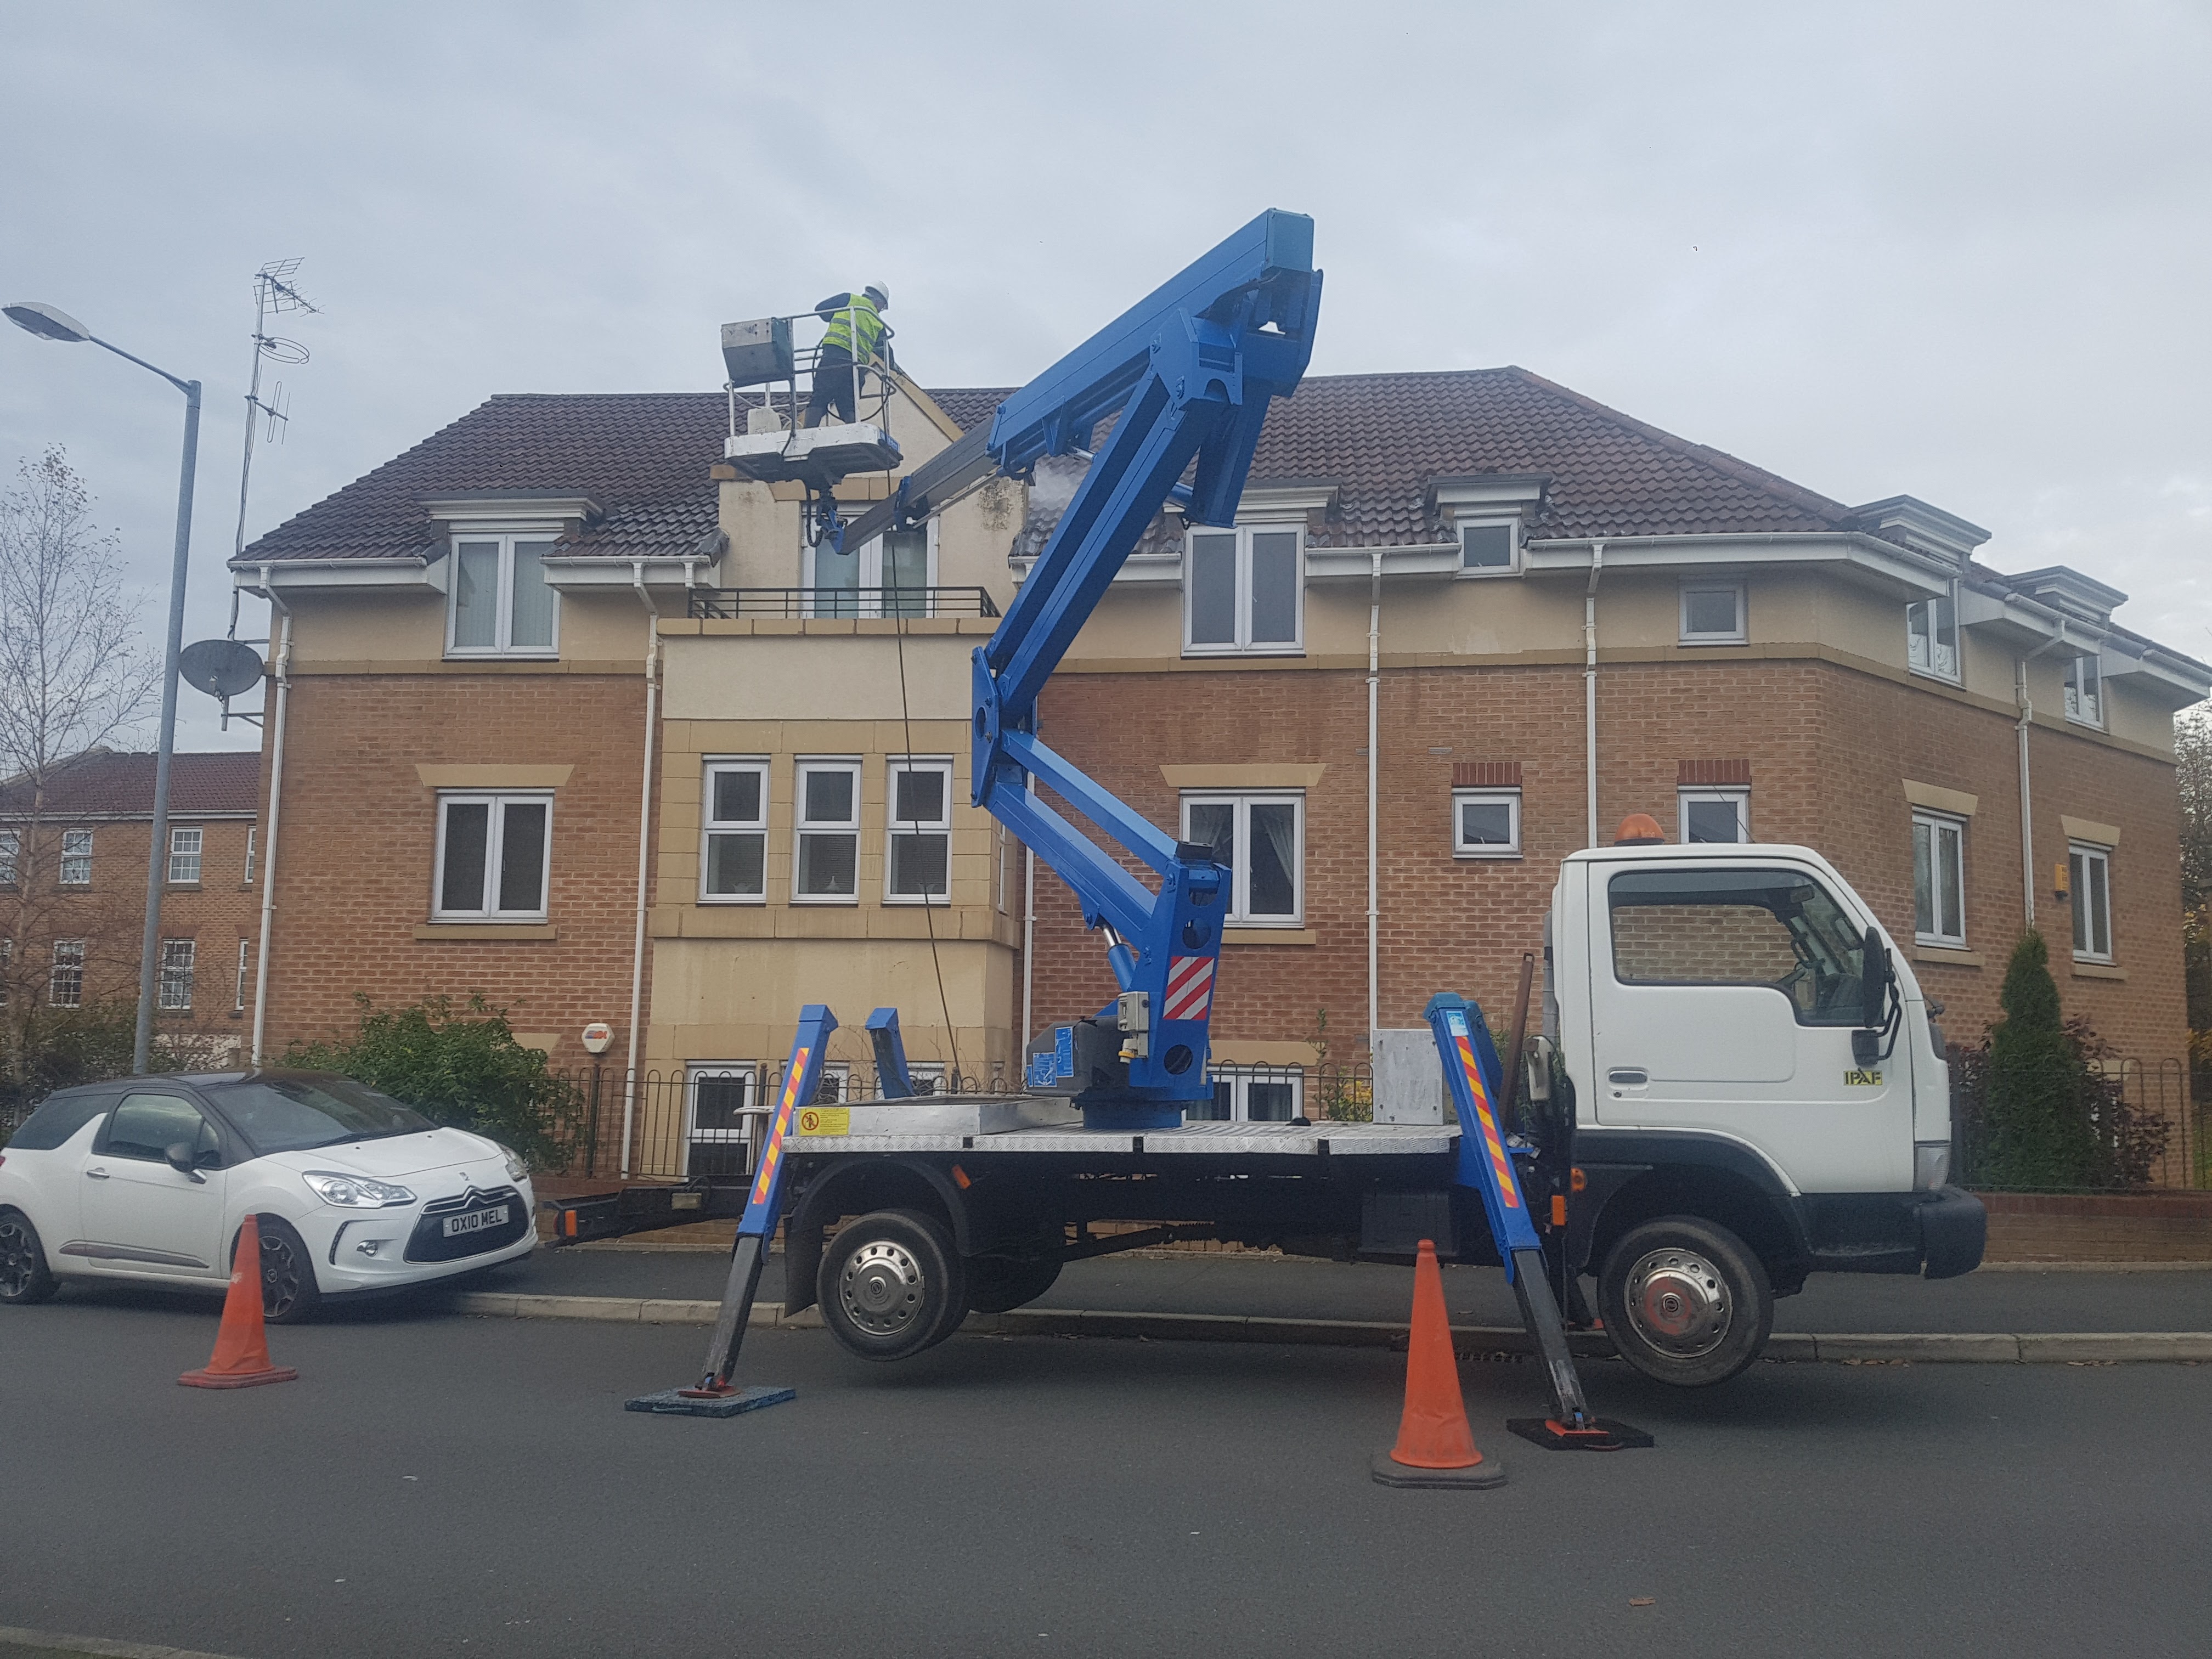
(464, 1069)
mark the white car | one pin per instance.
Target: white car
(148, 1181)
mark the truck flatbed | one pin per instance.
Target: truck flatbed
(1298, 1139)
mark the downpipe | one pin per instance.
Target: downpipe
(2026, 793)
(268, 871)
(1374, 685)
(1590, 688)
(644, 850)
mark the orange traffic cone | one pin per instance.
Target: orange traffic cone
(1434, 1446)
(242, 1345)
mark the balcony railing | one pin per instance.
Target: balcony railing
(810, 603)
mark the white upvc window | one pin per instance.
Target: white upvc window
(834, 1086)
(252, 834)
(918, 867)
(1939, 879)
(66, 989)
(1244, 590)
(177, 956)
(2085, 691)
(501, 604)
(719, 1095)
(733, 833)
(1489, 549)
(927, 1076)
(1486, 823)
(76, 860)
(826, 828)
(185, 846)
(1254, 1094)
(238, 1002)
(999, 862)
(1715, 815)
(1260, 837)
(1931, 636)
(12, 850)
(2090, 868)
(1713, 613)
(493, 853)
(890, 575)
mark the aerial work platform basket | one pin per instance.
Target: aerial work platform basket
(817, 456)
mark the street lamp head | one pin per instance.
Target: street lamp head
(47, 322)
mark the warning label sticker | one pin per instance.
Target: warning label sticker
(826, 1121)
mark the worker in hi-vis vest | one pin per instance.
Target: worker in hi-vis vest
(854, 340)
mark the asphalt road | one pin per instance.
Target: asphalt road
(438, 1485)
(1298, 1288)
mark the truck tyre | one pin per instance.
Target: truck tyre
(998, 1283)
(24, 1276)
(1687, 1302)
(891, 1284)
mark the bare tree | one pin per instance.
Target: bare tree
(73, 678)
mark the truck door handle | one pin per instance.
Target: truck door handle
(1629, 1076)
(95, 1175)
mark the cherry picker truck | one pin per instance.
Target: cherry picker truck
(1703, 1139)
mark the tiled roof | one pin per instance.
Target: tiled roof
(99, 784)
(1382, 437)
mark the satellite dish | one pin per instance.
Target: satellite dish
(221, 668)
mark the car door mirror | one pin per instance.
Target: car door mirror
(179, 1156)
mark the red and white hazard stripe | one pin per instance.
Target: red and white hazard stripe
(1190, 988)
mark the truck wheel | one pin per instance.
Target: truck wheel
(891, 1284)
(24, 1275)
(998, 1283)
(1687, 1301)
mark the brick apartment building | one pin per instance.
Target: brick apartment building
(73, 892)
(551, 642)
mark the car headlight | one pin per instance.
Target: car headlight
(353, 1192)
(516, 1169)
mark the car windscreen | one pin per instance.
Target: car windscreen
(291, 1113)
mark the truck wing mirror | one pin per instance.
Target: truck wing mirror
(1875, 977)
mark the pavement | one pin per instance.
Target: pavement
(1256, 1284)
(435, 1484)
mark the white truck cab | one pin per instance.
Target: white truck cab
(1749, 1054)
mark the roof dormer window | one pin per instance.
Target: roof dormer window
(1932, 637)
(500, 604)
(2085, 691)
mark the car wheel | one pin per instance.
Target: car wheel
(24, 1275)
(996, 1283)
(891, 1284)
(1687, 1302)
(289, 1295)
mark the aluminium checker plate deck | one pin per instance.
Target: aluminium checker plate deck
(1307, 1139)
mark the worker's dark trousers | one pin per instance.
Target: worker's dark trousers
(833, 386)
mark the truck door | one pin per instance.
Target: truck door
(1723, 998)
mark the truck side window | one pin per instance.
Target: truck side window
(1778, 928)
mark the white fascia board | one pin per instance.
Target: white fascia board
(573, 575)
(424, 576)
(1916, 576)
(1282, 503)
(2164, 676)
(477, 510)
(1423, 559)
(1151, 568)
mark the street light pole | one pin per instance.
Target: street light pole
(49, 324)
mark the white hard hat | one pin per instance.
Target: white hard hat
(882, 296)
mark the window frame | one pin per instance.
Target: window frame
(2070, 694)
(1739, 793)
(11, 856)
(197, 855)
(1239, 1080)
(1739, 635)
(2082, 858)
(1510, 524)
(1241, 597)
(802, 826)
(870, 555)
(1464, 849)
(503, 598)
(895, 827)
(251, 832)
(710, 826)
(245, 963)
(81, 840)
(180, 966)
(73, 965)
(1237, 912)
(1938, 825)
(698, 1071)
(1936, 605)
(495, 853)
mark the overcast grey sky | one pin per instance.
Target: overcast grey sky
(1959, 251)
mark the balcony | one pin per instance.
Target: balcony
(812, 604)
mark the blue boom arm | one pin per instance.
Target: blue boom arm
(1191, 370)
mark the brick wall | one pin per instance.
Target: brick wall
(358, 845)
(1826, 752)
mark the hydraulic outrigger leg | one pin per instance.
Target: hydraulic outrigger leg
(715, 1396)
(1471, 1068)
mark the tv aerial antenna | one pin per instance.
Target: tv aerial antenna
(273, 297)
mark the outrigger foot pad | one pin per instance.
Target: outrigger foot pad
(710, 1402)
(1603, 1435)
